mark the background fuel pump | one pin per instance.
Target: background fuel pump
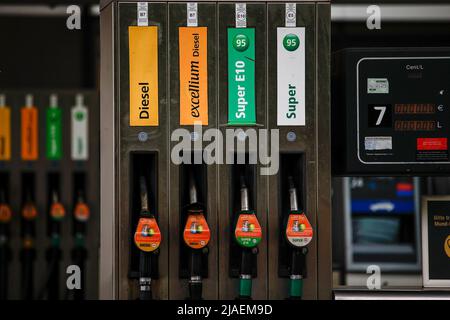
(196, 236)
(147, 238)
(299, 233)
(248, 235)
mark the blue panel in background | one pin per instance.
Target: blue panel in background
(383, 206)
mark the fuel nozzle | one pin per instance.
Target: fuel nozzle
(5, 209)
(147, 238)
(292, 195)
(245, 205)
(196, 236)
(143, 196)
(248, 235)
(298, 235)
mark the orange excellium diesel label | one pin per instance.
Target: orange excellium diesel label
(147, 236)
(143, 45)
(29, 130)
(193, 44)
(5, 133)
(196, 232)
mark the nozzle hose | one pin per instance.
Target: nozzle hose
(193, 195)
(293, 200)
(195, 281)
(245, 204)
(145, 280)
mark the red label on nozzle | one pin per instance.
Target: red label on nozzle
(248, 231)
(29, 212)
(147, 236)
(5, 213)
(299, 231)
(81, 212)
(57, 211)
(196, 231)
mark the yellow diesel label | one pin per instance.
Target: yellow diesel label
(143, 46)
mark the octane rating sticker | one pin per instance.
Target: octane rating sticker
(147, 236)
(196, 232)
(248, 231)
(299, 231)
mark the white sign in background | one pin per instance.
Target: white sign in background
(291, 79)
(79, 144)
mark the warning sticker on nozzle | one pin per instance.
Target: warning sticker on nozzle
(299, 231)
(378, 143)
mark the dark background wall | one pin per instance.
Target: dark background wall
(40, 52)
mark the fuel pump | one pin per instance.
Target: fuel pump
(28, 253)
(147, 238)
(81, 214)
(56, 214)
(298, 234)
(196, 236)
(248, 235)
(5, 250)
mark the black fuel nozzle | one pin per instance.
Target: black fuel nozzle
(249, 248)
(145, 257)
(197, 249)
(298, 252)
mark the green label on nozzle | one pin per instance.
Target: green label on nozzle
(54, 133)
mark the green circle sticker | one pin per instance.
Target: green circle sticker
(291, 42)
(240, 42)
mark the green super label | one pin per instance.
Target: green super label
(54, 133)
(241, 76)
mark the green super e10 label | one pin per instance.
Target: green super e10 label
(241, 76)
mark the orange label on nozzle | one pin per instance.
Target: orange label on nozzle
(29, 212)
(5, 133)
(147, 236)
(299, 231)
(196, 231)
(81, 212)
(5, 213)
(57, 211)
(248, 231)
(29, 121)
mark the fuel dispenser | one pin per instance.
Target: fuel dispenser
(171, 72)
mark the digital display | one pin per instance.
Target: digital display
(414, 125)
(415, 108)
